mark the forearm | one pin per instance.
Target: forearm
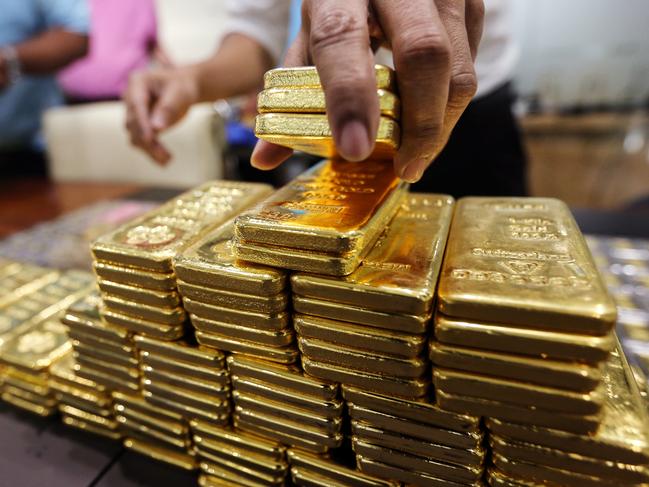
(237, 68)
(50, 51)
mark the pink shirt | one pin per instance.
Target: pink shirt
(122, 35)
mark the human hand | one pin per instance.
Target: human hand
(155, 100)
(4, 73)
(434, 43)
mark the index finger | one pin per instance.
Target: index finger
(138, 104)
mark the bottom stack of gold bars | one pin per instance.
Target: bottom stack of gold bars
(487, 360)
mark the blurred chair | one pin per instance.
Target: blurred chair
(89, 143)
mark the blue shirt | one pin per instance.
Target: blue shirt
(22, 104)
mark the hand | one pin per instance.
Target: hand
(434, 43)
(155, 100)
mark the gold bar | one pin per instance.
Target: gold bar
(331, 409)
(199, 356)
(65, 399)
(308, 77)
(439, 435)
(573, 423)
(522, 261)
(156, 281)
(129, 373)
(261, 321)
(168, 428)
(258, 304)
(400, 273)
(283, 355)
(428, 466)
(107, 379)
(45, 401)
(473, 457)
(407, 388)
(211, 262)
(188, 412)
(282, 376)
(217, 476)
(273, 450)
(26, 280)
(242, 424)
(62, 372)
(90, 428)
(496, 478)
(184, 382)
(209, 402)
(271, 338)
(100, 421)
(101, 344)
(134, 429)
(372, 339)
(138, 325)
(563, 375)
(333, 207)
(317, 470)
(373, 363)
(165, 316)
(186, 462)
(37, 409)
(312, 100)
(163, 299)
(409, 477)
(136, 402)
(413, 324)
(151, 241)
(83, 317)
(161, 363)
(124, 360)
(37, 349)
(84, 396)
(31, 383)
(417, 411)
(282, 410)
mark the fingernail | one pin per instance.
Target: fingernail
(413, 172)
(158, 121)
(354, 141)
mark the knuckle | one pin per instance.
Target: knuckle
(462, 88)
(334, 27)
(427, 132)
(424, 45)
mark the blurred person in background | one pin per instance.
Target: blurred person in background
(123, 38)
(37, 39)
(442, 81)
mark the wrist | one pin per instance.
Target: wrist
(13, 69)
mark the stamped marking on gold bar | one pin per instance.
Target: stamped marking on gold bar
(307, 76)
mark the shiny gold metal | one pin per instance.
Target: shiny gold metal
(307, 76)
(407, 388)
(106, 379)
(37, 409)
(199, 356)
(525, 341)
(100, 421)
(26, 280)
(417, 411)
(217, 476)
(416, 429)
(258, 304)
(168, 428)
(319, 471)
(37, 349)
(473, 457)
(107, 355)
(134, 429)
(162, 363)
(126, 402)
(562, 375)
(125, 352)
(156, 281)
(573, 423)
(83, 317)
(312, 100)
(121, 372)
(80, 424)
(210, 402)
(184, 461)
(412, 324)
(367, 338)
(496, 478)
(62, 372)
(332, 208)
(400, 273)
(30, 382)
(146, 327)
(189, 412)
(243, 424)
(164, 299)
(283, 355)
(275, 321)
(82, 395)
(282, 376)
(151, 241)
(45, 401)
(164, 316)
(375, 363)
(184, 382)
(445, 471)
(271, 338)
(522, 261)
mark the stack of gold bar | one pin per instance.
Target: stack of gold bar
(524, 322)
(280, 402)
(83, 404)
(369, 329)
(18, 280)
(324, 221)
(415, 442)
(617, 454)
(134, 263)
(104, 354)
(310, 470)
(292, 112)
(154, 431)
(234, 306)
(189, 380)
(233, 458)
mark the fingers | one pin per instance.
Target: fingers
(474, 18)
(339, 45)
(138, 100)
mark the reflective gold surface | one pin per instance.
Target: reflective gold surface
(106, 379)
(372, 339)
(312, 100)
(107, 423)
(496, 478)
(411, 389)
(522, 261)
(151, 241)
(284, 355)
(244, 424)
(399, 275)
(101, 344)
(37, 409)
(415, 324)
(249, 475)
(138, 325)
(334, 207)
(107, 355)
(563, 375)
(259, 304)
(90, 427)
(201, 357)
(38, 348)
(271, 338)
(163, 363)
(321, 351)
(210, 402)
(135, 429)
(62, 372)
(164, 316)
(186, 462)
(156, 281)
(307, 76)
(216, 476)
(519, 393)
(188, 412)
(526, 341)
(184, 382)
(275, 321)
(165, 299)
(119, 371)
(128, 415)
(137, 402)
(45, 401)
